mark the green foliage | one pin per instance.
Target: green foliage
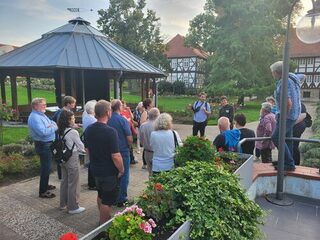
(13, 163)
(194, 149)
(5, 111)
(23, 149)
(245, 37)
(178, 87)
(212, 199)
(130, 224)
(135, 28)
(14, 134)
(165, 87)
(312, 162)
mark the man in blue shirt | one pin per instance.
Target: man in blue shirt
(293, 108)
(121, 125)
(42, 131)
(201, 110)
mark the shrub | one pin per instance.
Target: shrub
(212, 199)
(130, 224)
(24, 149)
(194, 149)
(312, 153)
(311, 162)
(12, 164)
(164, 87)
(178, 87)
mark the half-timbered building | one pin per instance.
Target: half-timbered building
(187, 63)
(307, 58)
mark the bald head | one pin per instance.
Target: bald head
(153, 113)
(223, 124)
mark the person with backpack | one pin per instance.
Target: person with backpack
(201, 111)
(42, 131)
(293, 111)
(70, 168)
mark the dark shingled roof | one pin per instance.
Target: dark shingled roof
(76, 45)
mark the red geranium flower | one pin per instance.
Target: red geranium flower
(220, 150)
(158, 186)
(69, 236)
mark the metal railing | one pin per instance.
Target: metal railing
(269, 138)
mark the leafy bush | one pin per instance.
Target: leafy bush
(316, 126)
(311, 162)
(178, 87)
(212, 199)
(312, 153)
(24, 149)
(12, 164)
(164, 87)
(191, 91)
(195, 149)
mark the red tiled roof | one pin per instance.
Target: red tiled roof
(300, 49)
(176, 48)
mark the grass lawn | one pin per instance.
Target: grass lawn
(13, 134)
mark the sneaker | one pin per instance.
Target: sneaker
(134, 162)
(47, 194)
(62, 208)
(79, 210)
(144, 167)
(256, 159)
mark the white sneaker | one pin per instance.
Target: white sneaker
(79, 210)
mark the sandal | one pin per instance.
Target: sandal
(51, 187)
(47, 195)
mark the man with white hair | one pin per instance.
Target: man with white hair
(293, 111)
(228, 139)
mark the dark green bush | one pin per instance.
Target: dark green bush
(24, 149)
(13, 163)
(178, 87)
(194, 149)
(211, 198)
(311, 162)
(312, 153)
(164, 87)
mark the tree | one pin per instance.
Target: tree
(241, 35)
(126, 23)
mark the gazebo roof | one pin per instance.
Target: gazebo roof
(76, 45)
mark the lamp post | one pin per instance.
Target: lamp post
(308, 31)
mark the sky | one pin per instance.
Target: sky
(23, 21)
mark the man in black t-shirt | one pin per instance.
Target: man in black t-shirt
(247, 147)
(105, 159)
(226, 110)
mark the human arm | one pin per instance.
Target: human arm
(75, 138)
(301, 117)
(218, 142)
(144, 117)
(42, 126)
(118, 162)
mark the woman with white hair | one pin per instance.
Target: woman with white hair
(163, 141)
(88, 118)
(265, 128)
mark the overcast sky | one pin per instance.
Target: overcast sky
(23, 21)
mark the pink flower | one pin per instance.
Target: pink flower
(140, 212)
(147, 228)
(153, 224)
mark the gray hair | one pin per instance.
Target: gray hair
(270, 99)
(277, 67)
(163, 122)
(89, 107)
(266, 106)
(153, 114)
(224, 123)
(37, 101)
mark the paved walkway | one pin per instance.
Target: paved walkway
(23, 215)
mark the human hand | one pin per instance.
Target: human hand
(120, 174)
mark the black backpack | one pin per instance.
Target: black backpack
(60, 151)
(308, 120)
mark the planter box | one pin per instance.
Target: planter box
(182, 233)
(245, 171)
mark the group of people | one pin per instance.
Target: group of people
(269, 122)
(108, 137)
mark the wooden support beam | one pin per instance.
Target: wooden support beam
(29, 89)
(83, 89)
(120, 88)
(62, 84)
(3, 88)
(14, 95)
(73, 84)
(147, 87)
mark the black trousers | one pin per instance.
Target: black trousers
(266, 155)
(91, 179)
(199, 126)
(298, 129)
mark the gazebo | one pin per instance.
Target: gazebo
(81, 60)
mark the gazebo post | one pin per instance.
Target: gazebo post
(14, 97)
(155, 92)
(62, 85)
(83, 89)
(73, 83)
(142, 89)
(3, 88)
(120, 88)
(147, 87)
(29, 89)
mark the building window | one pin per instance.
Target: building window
(306, 94)
(186, 63)
(310, 60)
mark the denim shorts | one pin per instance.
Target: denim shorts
(108, 189)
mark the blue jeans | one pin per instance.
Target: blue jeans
(288, 159)
(124, 181)
(44, 151)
